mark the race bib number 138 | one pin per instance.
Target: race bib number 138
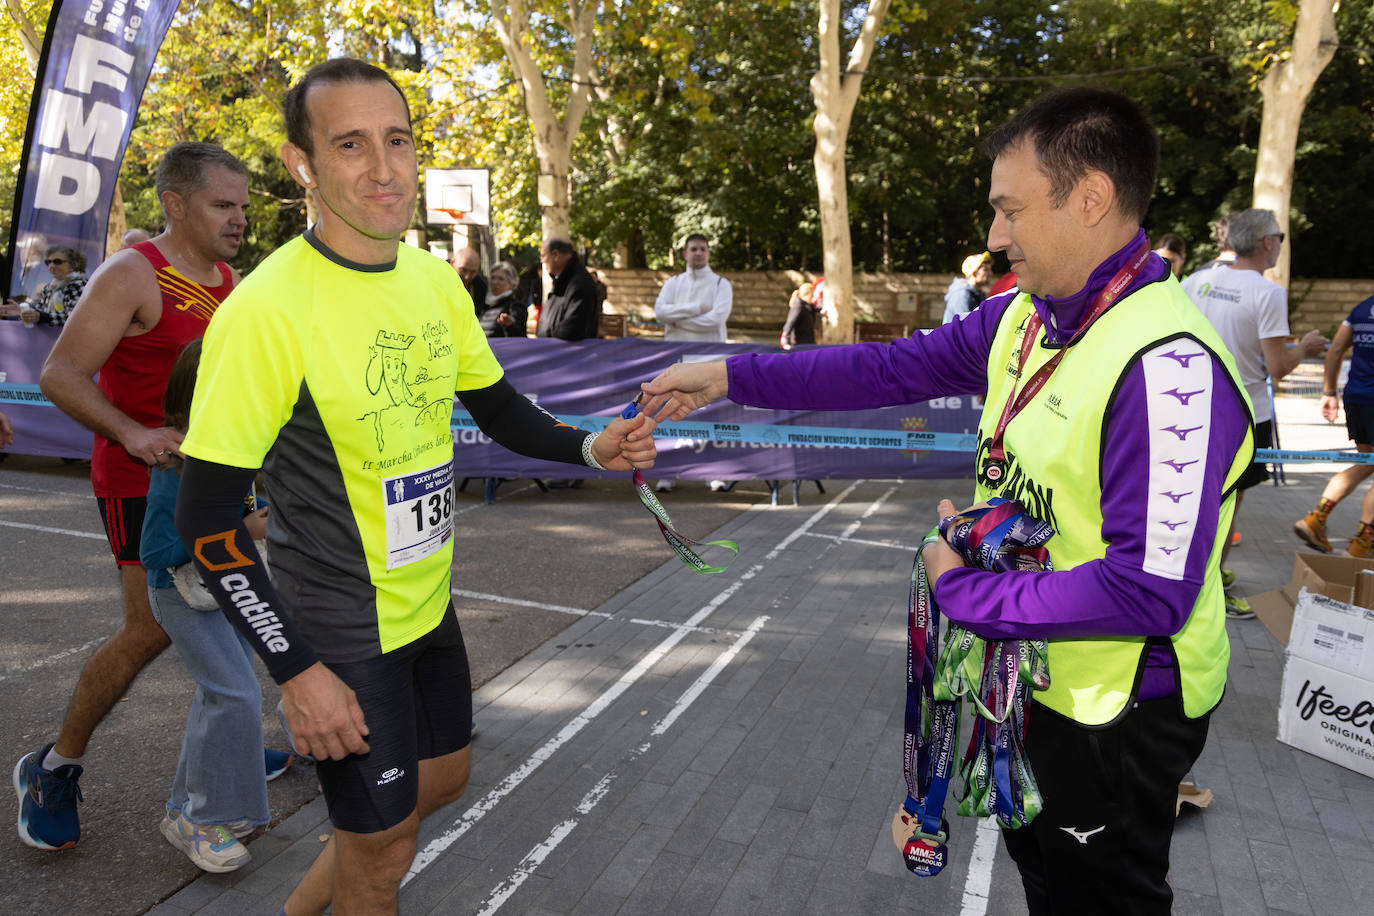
(419, 514)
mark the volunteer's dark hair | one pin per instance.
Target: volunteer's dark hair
(1081, 129)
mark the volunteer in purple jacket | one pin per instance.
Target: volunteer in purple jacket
(1121, 421)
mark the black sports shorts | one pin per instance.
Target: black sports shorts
(417, 702)
(1258, 471)
(123, 518)
(1359, 422)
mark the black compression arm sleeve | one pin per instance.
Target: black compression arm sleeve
(209, 519)
(514, 422)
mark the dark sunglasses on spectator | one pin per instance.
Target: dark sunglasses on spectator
(1277, 235)
(51, 261)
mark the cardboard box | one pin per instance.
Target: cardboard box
(1345, 579)
(1326, 704)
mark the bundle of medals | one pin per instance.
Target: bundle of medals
(995, 676)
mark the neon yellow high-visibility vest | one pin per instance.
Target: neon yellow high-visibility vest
(1054, 468)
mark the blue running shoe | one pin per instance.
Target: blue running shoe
(275, 762)
(47, 802)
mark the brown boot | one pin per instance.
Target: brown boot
(1362, 544)
(1311, 529)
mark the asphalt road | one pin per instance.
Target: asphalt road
(524, 567)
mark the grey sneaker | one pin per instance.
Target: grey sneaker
(213, 847)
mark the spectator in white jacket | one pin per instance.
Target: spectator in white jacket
(695, 305)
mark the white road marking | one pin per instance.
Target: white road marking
(499, 497)
(74, 495)
(42, 662)
(577, 612)
(435, 847)
(979, 881)
(75, 534)
(841, 539)
(536, 856)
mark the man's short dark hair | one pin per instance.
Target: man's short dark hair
(338, 70)
(1086, 128)
(559, 244)
(183, 168)
(695, 237)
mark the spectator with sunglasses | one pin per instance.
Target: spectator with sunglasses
(55, 300)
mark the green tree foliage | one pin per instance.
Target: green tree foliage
(701, 116)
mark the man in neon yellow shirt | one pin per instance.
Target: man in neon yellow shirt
(334, 369)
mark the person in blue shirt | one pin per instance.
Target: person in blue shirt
(1356, 334)
(219, 793)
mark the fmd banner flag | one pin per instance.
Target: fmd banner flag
(97, 55)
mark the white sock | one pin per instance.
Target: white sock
(55, 760)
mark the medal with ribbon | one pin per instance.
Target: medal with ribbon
(682, 545)
(995, 676)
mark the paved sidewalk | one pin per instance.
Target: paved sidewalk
(731, 745)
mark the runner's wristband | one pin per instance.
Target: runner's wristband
(587, 457)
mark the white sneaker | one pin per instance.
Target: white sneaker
(212, 847)
(665, 485)
(718, 486)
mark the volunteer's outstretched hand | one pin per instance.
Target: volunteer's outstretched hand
(683, 388)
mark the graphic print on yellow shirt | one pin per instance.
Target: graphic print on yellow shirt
(338, 379)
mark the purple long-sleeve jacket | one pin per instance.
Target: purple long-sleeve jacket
(1114, 596)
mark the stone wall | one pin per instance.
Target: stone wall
(1324, 304)
(915, 300)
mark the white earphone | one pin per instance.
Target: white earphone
(305, 176)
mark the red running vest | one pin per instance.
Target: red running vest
(135, 375)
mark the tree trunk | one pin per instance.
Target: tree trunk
(1285, 89)
(835, 94)
(29, 37)
(114, 229)
(553, 136)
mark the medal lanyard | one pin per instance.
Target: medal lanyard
(993, 466)
(995, 676)
(682, 545)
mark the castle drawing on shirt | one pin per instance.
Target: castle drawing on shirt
(399, 389)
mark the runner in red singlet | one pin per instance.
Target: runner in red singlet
(135, 375)
(138, 311)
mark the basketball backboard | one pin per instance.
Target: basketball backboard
(458, 197)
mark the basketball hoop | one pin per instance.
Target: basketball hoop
(458, 197)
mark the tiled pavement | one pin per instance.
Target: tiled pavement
(731, 744)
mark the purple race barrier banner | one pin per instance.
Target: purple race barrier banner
(95, 63)
(584, 379)
(39, 427)
(599, 377)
